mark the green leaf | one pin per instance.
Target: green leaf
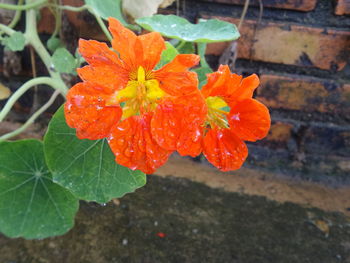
(186, 48)
(86, 167)
(107, 8)
(64, 61)
(15, 42)
(54, 43)
(202, 75)
(167, 55)
(205, 31)
(31, 204)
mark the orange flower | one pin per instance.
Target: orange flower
(126, 76)
(233, 117)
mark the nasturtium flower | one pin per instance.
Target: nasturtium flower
(233, 117)
(124, 99)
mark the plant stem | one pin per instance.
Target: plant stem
(32, 118)
(101, 23)
(17, 16)
(32, 36)
(22, 7)
(26, 86)
(6, 29)
(180, 45)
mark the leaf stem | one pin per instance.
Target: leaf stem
(17, 16)
(101, 23)
(33, 39)
(26, 86)
(6, 29)
(22, 7)
(32, 118)
(180, 45)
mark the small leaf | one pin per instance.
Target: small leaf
(63, 61)
(167, 55)
(202, 75)
(54, 43)
(5, 92)
(31, 205)
(205, 31)
(86, 167)
(107, 8)
(15, 42)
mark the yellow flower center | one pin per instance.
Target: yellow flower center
(216, 112)
(140, 94)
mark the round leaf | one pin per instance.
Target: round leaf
(205, 31)
(31, 205)
(15, 42)
(63, 61)
(86, 167)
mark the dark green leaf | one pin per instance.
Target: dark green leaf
(31, 205)
(202, 75)
(64, 61)
(205, 31)
(86, 167)
(186, 47)
(54, 43)
(15, 42)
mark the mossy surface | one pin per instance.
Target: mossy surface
(200, 224)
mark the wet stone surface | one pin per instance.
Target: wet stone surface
(176, 220)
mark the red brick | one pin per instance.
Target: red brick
(304, 93)
(86, 28)
(300, 5)
(342, 7)
(279, 135)
(290, 44)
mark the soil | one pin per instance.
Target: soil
(177, 220)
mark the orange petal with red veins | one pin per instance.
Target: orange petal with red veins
(85, 110)
(177, 123)
(109, 77)
(221, 83)
(224, 149)
(98, 54)
(178, 83)
(180, 63)
(249, 120)
(123, 42)
(246, 88)
(152, 45)
(134, 147)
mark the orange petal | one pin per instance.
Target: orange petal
(180, 63)
(98, 54)
(107, 76)
(152, 45)
(177, 123)
(178, 83)
(85, 111)
(123, 42)
(246, 88)
(133, 146)
(249, 120)
(221, 83)
(224, 149)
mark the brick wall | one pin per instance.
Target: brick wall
(301, 51)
